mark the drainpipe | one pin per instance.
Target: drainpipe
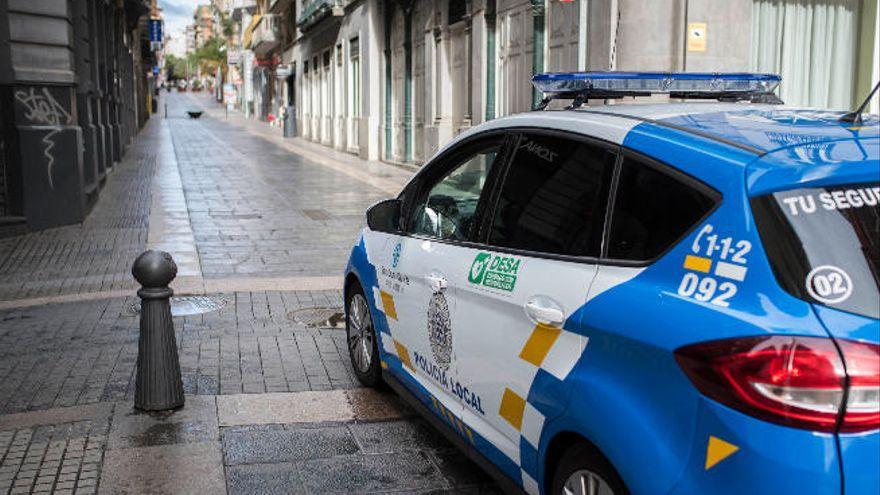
(388, 7)
(490, 59)
(684, 42)
(583, 35)
(538, 10)
(407, 85)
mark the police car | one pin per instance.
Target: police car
(638, 298)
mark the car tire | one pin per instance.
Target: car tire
(363, 346)
(581, 466)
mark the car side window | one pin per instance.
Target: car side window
(448, 209)
(554, 196)
(652, 210)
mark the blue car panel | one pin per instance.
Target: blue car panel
(768, 130)
(627, 394)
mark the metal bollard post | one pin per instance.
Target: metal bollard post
(158, 385)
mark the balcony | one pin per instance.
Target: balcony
(267, 34)
(242, 5)
(314, 11)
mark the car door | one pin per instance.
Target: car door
(442, 210)
(517, 328)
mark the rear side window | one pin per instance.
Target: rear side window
(554, 197)
(652, 210)
(824, 244)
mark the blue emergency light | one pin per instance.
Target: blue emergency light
(582, 86)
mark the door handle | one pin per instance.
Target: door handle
(436, 281)
(544, 310)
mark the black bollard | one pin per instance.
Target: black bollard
(158, 386)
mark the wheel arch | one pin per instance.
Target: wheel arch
(350, 280)
(556, 447)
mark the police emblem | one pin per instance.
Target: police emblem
(395, 255)
(440, 330)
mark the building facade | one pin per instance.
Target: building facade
(73, 92)
(336, 60)
(396, 79)
(203, 25)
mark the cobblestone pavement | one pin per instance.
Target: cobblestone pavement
(262, 226)
(52, 458)
(253, 208)
(81, 353)
(93, 256)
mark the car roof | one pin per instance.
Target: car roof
(778, 146)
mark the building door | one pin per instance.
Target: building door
(354, 94)
(515, 34)
(562, 36)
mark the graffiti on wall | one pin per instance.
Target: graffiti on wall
(41, 108)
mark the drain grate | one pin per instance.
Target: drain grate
(189, 305)
(319, 317)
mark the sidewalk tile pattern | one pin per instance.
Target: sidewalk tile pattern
(405, 456)
(61, 459)
(81, 353)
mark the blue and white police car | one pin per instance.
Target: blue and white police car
(638, 298)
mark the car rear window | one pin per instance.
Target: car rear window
(652, 210)
(824, 244)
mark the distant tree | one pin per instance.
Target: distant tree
(210, 55)
(175, 67)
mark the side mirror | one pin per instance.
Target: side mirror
(384, 216)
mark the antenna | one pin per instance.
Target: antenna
(856, 117)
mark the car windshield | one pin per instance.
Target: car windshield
(824, 244)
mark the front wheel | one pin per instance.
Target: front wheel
(583, 471)
(363, 346)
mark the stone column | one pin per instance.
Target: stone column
(100, 83)
(84, 100)
(113, 45)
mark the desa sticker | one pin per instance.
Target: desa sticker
(494, 271)
(829, 284)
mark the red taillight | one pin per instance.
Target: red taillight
(863, 396)
(795, 381)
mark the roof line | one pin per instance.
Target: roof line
(707, 135)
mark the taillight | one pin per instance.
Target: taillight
(794, 381)
(863, 397)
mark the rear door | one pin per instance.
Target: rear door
(516, 338)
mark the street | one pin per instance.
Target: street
(260, 228)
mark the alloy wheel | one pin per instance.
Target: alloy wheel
(586, 482)
(360, 333)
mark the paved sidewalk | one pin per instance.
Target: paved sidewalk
(239, 208)
(357, 441)
(261, 226)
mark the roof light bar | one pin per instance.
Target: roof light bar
(655, 82)
(609, 85)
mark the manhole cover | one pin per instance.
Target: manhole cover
(189, 305)
(327, 317)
